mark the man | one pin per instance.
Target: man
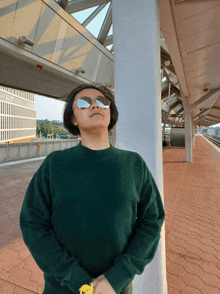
(92, 213)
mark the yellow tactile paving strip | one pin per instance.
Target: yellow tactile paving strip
(192, 206)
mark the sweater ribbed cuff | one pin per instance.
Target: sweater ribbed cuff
(117, 276)
(76, 278)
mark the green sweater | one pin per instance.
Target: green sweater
(91, 212)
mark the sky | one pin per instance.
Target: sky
(52, 109)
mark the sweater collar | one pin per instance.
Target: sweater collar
(83, 150)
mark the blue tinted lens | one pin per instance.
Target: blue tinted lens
(85, 102)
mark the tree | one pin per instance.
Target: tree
(43, 128)
(38, 129)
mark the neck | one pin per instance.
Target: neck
(95, 140)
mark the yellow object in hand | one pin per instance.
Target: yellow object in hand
(87, 289)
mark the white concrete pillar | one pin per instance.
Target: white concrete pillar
(138, 96)
(193, 132)
(188, 135)
(164, 126)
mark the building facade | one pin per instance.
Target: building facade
(17, 116)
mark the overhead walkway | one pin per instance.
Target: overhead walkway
(191, 192)
(44, 50)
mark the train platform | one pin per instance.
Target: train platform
(192, 224)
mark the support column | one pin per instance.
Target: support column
(138, 96)
(188, 135)
(164, 126)
(193, 132)
(188, 127)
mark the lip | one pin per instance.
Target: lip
(95, 114)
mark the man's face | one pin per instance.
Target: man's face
(84, 118)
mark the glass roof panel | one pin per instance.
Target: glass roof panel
(95, 25)
(109, 47)
(110, 31)
(81, 16)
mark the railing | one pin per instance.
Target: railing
(24, 150)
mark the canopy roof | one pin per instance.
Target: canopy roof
(190, 60)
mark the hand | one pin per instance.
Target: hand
(102, 286)
(91, 282)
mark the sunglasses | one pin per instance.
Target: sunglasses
(85, 102)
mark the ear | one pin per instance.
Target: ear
(73, 121)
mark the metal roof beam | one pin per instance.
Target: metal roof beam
(214, 116)
(210, 120)
(170, 76)
(63, 4)
(172, 115)
(199, 114)
(205, 97)
(215, 107)
(90, 18)
(173, 90)
(179, 111)
(198, 120)
(78, 5)
(108, 41)
(105, 26)
(164, 86)
(175, 104)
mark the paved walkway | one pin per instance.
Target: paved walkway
(192, 205)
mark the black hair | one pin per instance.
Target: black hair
(68, 111)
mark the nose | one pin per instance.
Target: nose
(94, 104)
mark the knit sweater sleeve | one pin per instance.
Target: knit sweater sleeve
(38, 235)
(142, 247)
